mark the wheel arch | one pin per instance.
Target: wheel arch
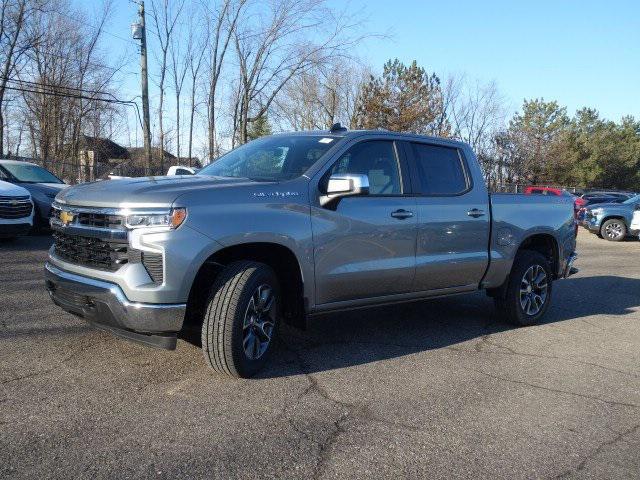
(280, 258)
(545, 244)
(615, 216)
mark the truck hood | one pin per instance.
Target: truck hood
(11, 190)
(143, 191)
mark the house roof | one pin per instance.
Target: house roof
(103, 146)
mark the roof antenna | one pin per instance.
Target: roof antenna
(337, 127)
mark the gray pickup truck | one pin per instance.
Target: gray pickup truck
(293, 225)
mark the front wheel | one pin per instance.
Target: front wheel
(614, 230)
(528, 292)
(241, 319)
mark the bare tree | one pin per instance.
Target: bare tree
(178, 68)
(288, 39)
(14, 42)
(224, 18)
(477, 114)
(62, 83)
(195, 57)
(321, 96)
(164, 17)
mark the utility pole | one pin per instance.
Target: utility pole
(139, 32)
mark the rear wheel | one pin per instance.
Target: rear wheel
(613, 230)
(241, 319)
(528, 293)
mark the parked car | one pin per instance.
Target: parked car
(611, 221)
(40, 182)
(606, 197)
(557, 192)
(532, 190)
(594, 199)
(634, 227)
(16, 210)
(181, 170)
(298, 224)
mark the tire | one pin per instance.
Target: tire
(613, 230)
(512, 307)
(234, 319)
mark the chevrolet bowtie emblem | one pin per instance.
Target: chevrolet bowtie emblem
(14, 203)
(66, 217)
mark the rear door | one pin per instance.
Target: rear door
(365, 247)
(453, 217)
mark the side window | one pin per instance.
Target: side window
(376, 159)
(3, 176)
(440, 169)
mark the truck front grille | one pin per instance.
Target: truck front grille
(15, 207)
(90, 252)
(93, 219)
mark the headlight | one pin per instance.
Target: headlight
(597, 211)
(172, 219)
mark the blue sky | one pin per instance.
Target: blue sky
(576, 52)
(580, 53)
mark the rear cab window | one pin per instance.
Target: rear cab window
(441, 169)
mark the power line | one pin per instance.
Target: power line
(113, 100)
(62, 87)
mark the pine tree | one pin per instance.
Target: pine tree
(404, 98)
(259, 128)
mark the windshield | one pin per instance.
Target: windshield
(632, 200)
(28, 173)
(272, 159)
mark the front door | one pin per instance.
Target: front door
(366, 247)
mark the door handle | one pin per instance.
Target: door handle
(402, 214)
(475, 213)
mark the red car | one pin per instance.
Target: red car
(578, 202)
(542, 191)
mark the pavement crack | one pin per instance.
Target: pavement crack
(556, 390)
(46, 371)
(599, 449)
(478, 348)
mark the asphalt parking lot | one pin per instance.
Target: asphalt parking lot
(435, 389)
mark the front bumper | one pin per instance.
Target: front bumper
(104, 305)
(591, 223)
(569, 269)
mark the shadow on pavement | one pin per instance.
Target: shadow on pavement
(41, 241)
(364, 336)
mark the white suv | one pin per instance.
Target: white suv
(16, 210)
(634, 228)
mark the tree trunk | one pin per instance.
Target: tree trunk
(212, 121)
(191, 115)
(178, 127)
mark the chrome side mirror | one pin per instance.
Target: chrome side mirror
(344, 185)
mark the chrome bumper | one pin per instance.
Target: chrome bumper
(569, 269)
(104, 305)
